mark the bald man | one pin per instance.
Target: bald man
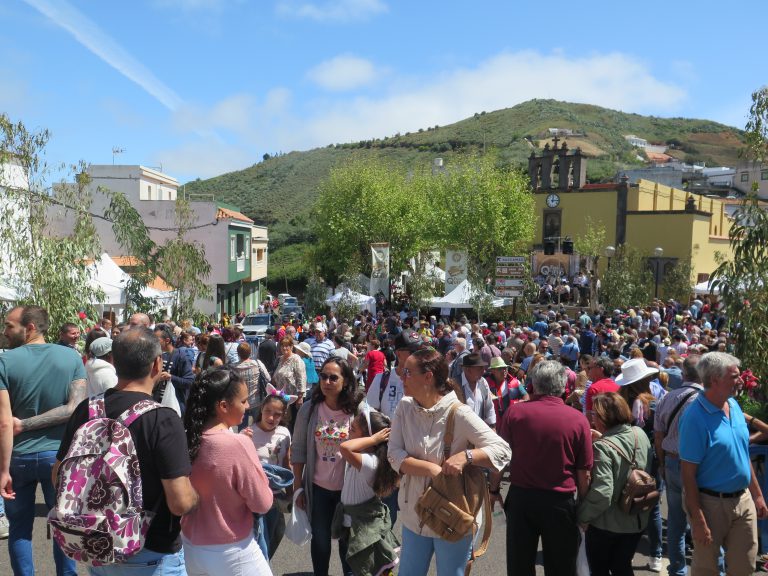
(139, 319)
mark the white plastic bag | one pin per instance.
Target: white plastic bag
(169, 398)
(582, 566)
(297, 530)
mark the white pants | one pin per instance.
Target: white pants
(242, 558)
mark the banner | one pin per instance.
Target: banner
(380, 269)
(455, 269)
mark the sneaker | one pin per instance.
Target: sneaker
(654, 564)
(3, 527)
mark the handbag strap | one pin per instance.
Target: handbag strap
(449, 425)
(632, 461)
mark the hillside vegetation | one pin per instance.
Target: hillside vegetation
(279, 192)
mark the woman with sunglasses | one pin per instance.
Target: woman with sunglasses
(322, 424)
(416, 452)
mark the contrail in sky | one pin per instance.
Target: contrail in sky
(92, 37)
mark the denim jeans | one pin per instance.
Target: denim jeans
(676, 521)
(269, 530)
(391, 503)
(417, 551)
(654, 523)
(27, 471)
(324, 504)
(145, 563)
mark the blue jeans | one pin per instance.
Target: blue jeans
(145, 563)
(269, 530)
(417, 551)
(27, 471)
(676, 521)
(324, 504)
(391, 503)
(654, 523)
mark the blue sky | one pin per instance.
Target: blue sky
(204, 87)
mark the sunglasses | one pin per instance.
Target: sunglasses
(331, 377)
(408, 372)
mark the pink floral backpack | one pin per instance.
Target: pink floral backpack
(99, 517)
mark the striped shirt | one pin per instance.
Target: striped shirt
(320, 352)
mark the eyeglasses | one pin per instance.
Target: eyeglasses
(408, 373)
(331, 377)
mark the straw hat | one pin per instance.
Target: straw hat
(633, 371)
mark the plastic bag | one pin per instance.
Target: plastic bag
(582, 566)
(169, 398)
(297, 530)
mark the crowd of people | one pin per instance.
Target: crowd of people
(345, 420)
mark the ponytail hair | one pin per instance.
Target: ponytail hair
(209, 388)
(385, 479)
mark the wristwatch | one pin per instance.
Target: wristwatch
(468, 454)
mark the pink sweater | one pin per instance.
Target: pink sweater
(231, 483)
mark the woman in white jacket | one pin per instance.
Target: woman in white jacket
(416, 452)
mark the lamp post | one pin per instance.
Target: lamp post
(610, 251)
(658, 252)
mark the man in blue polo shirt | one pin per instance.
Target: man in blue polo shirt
(716, 472)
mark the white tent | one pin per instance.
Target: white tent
(460, 297)
(705, 288)
(363, 302)
(112, 280)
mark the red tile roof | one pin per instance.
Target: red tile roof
(227, 214)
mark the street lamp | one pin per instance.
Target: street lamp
(658, 252)
(610, 251)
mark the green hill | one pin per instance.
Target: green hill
(279, 191)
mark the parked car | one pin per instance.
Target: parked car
(290, 301)
(255, 325)
(288, 312)
(281, 298)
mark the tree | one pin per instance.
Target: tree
(677, 280)
(591, 246)
(742, 279)
(46, 271)
(314, 297)
(629, 281)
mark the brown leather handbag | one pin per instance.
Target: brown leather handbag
(639, 493)
(450, 504)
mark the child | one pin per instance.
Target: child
(272, 443)
(362, 517)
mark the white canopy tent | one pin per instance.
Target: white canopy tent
(705, 288)
(108, 276)
(460, 297)
(363, 302)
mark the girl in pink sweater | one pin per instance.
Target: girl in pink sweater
(226, 472)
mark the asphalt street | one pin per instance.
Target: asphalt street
(292, 560)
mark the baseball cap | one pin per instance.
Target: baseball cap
(101, 347)
(407, 340)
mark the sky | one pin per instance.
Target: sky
(203, 87)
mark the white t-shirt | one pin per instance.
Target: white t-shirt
(392, 395)
(480, 402)
(272, 447)
(357, 483)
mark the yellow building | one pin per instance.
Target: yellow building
(645, 216)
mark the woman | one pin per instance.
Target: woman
(612, 534)
(256, 377)
(305, 353)
(228, 477)
(322, 424)
(290, 377)
(214, 355)
(416, 452)
(374, 363)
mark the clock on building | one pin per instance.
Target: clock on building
(553, 200)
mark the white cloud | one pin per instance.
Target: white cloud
(343, 72)
(203, 157)
(332, 10)
(97, 41)
(613, 80)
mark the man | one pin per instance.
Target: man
(139, 319)
(100, 368)
(716, 472)
(69, 335)
(475, 390)
(541, 502)
(599, 372)
(666, 440)
(176, 366)
(322, 347)
(268, 350)
(460, 350)
(161, 447)
(40, 385)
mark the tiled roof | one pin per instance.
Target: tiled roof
(227, 214)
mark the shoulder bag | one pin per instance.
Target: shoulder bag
(640, 493)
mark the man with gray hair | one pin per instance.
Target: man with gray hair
(722, 496)
(542, 495)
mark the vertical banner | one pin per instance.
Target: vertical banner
(455, 269)
(380, 269)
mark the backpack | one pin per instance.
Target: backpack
(99, 516)
(640, 493)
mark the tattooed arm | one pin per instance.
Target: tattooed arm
(56, 416)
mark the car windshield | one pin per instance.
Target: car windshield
(291, 301)
(256, 320)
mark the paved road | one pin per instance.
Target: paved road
(292, 560)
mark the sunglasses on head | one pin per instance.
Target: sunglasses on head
(331, 377)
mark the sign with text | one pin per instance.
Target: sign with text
(510, 276)
(455, 269)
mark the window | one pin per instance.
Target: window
(240, 245)
(247, 248)
(763, 174)
(232, 248)
(149, 192)
(745, 176)
(260, 255)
